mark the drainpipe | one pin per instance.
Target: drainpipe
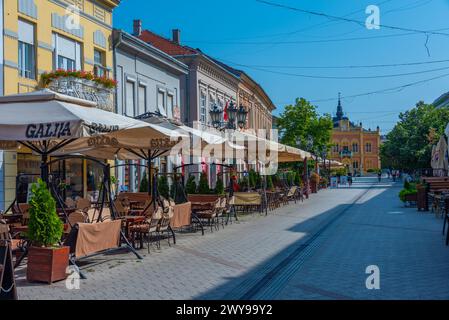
(115, 45)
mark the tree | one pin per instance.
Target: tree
(144, 184)
(269, 183)
(203, 187)
(191, 185)
(409, 145)
(45, 228)
(163, 187)
(300, 121)
(219, 187)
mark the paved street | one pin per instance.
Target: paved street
(318, 249)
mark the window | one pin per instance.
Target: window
(211, 101)
(170, 104)
(130, 99)
(355, 165)
(355, 147)
(368, 147)
(161, 102)
(203, 108)
(27, 53)
(66, 53)
(142, 99)
(99, 64)
(336, 148)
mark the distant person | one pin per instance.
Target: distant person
(379, 175)
(350, 179)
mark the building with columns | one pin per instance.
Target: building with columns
(354, 146)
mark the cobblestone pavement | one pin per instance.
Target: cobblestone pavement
(318, 249)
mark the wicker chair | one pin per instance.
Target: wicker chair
(148, 227)
(210, 214)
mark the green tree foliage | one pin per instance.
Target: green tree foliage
(144, 184)
(302, 120)
(162, 187)
(191, 185)
(269, 183)
(297, 179)
(409, 144)
(44, 228)
(252, 178)
(219, 187)
(203, 187)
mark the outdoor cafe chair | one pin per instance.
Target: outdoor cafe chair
(147, 228)
(74, 218)
(17, 244)
(121, 210)
(210, 214)
(83, 204)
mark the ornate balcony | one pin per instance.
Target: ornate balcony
(346, 154)
(82, 85)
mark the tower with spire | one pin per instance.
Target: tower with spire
(340, 113)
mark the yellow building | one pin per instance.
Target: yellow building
(355, 146)
(44, 35)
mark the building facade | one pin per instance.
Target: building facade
(211, 82)
(149, 81)
(39, 36)
(354, 146)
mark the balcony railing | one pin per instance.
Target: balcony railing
(346, 154)
(84, 89)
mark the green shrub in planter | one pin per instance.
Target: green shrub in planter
(44, 228)
(297, 179)
(405, 192)
(269, 183)
(144, 184)
(162, 187)
(203, 187)
(191, 185)
(219, 187)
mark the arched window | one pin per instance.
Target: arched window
(336, 148)
(368, 147)
(355, 147)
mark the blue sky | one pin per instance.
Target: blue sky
(274, 44)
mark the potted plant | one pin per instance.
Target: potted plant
(203, 186)
(409, 194)
(47, 260)
(191, 185)
(219, 187)
(314, 181)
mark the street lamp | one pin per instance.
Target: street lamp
(242, 114)
(215, 115)
(232, 115)
(235, 114)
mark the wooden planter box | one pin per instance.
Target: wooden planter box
(313, 187)
(422, 198)
(47, 264)
(411, 198)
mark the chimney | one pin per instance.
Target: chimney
(176, 36)
(137, 31)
